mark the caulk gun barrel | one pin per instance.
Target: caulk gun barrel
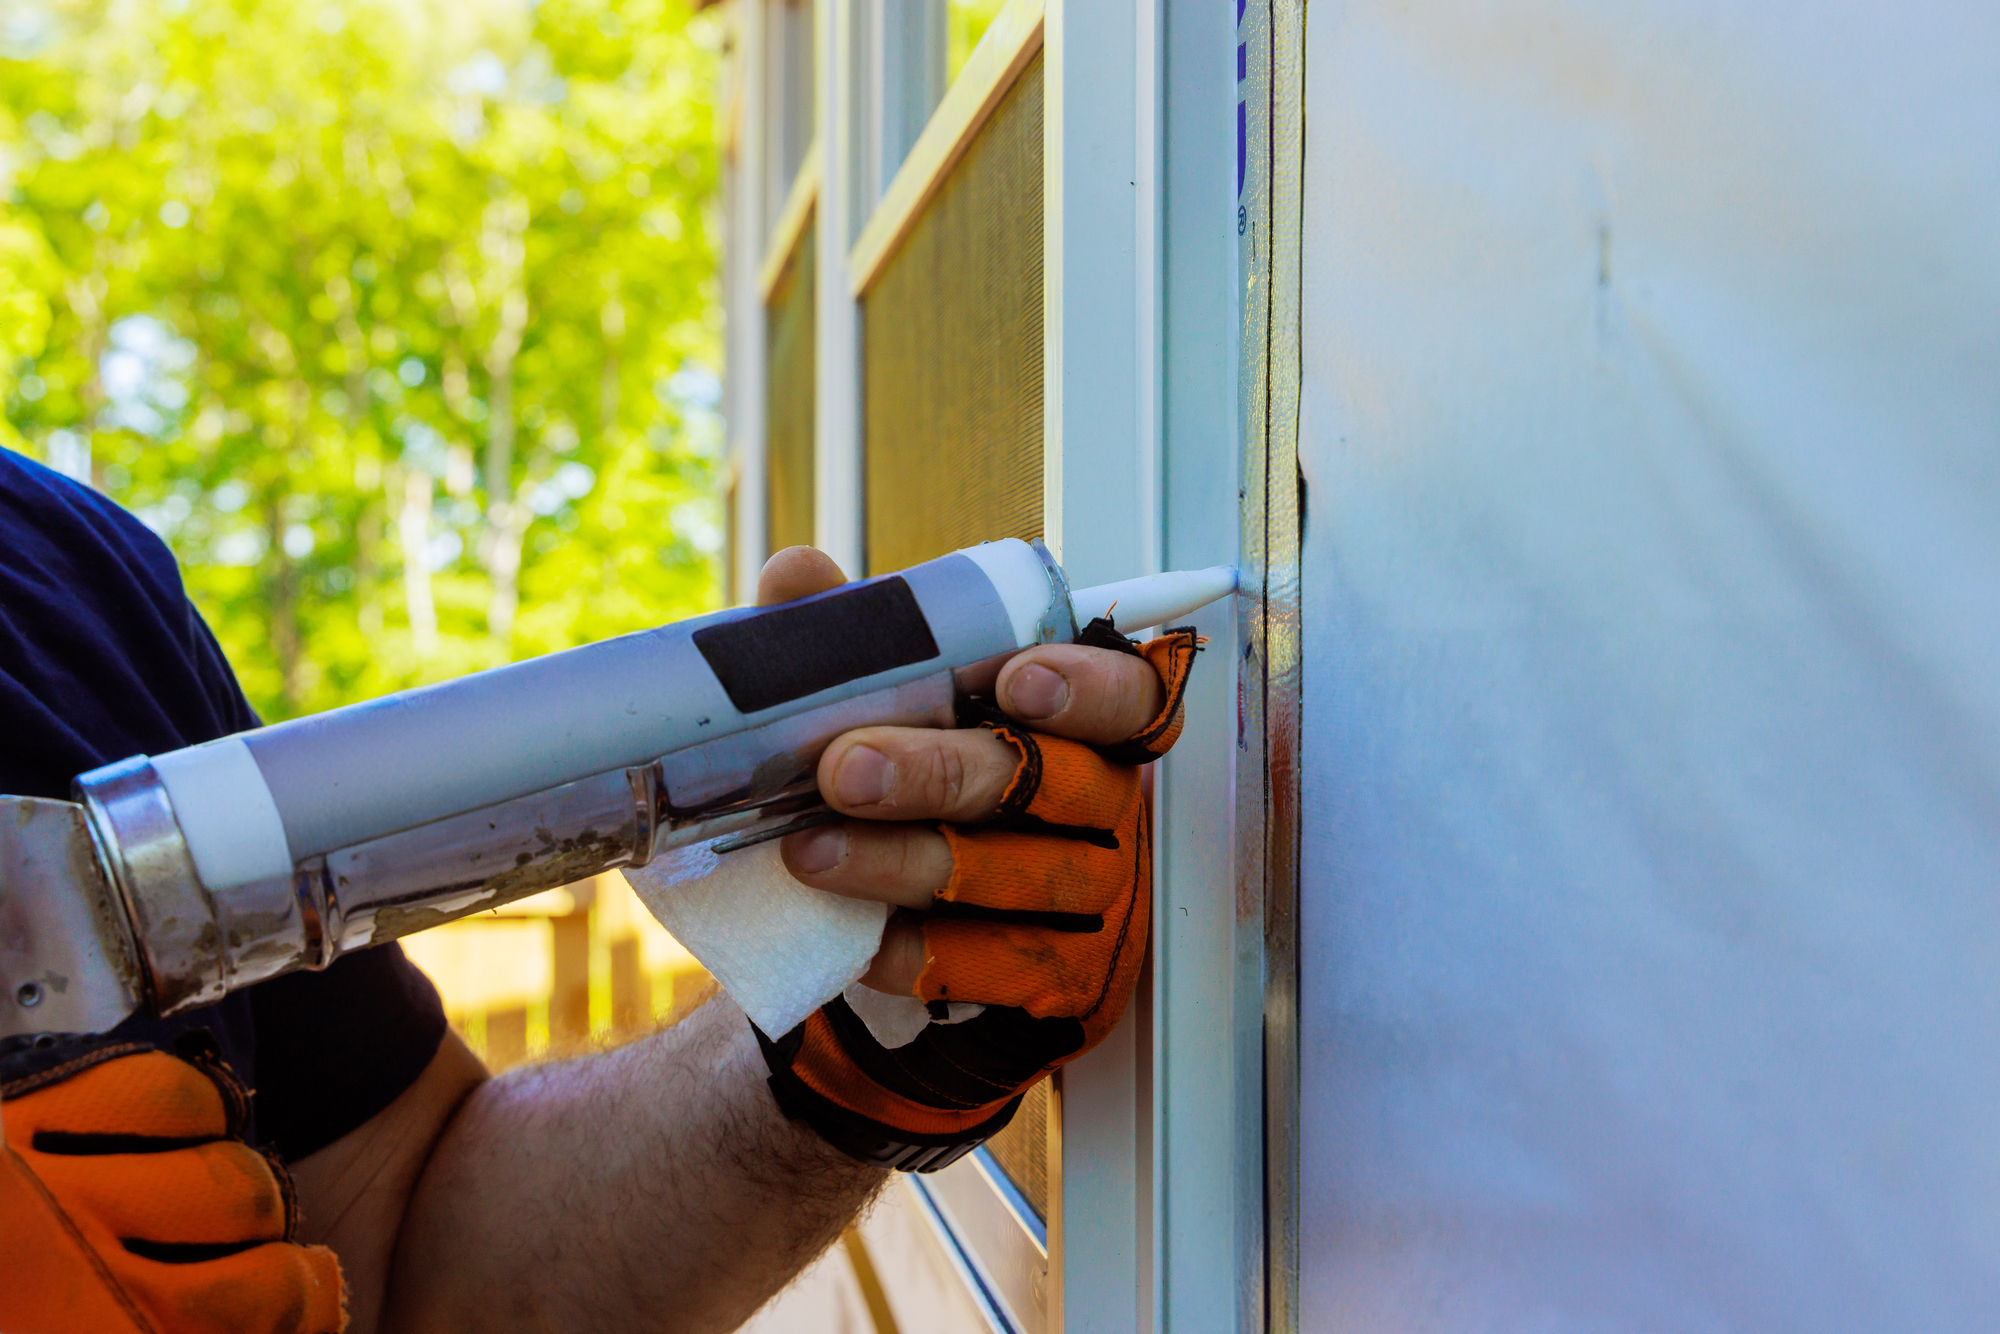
(299, 840)
(251, 806)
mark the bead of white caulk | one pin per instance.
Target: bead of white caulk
(1153, 599)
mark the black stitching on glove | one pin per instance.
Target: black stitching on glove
(1072, 923)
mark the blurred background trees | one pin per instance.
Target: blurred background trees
(396, 321)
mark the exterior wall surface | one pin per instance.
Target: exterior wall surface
(1651, 614)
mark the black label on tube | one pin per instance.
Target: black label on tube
(788, 653)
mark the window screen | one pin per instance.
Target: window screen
(952, 341)
(788, 402)
(1022, 1149)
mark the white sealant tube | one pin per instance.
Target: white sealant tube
(1153, 599)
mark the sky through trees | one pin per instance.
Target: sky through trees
(398, 322)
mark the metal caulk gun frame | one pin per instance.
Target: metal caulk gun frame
(173, 880)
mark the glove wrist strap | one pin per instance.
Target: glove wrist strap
(863, 1138)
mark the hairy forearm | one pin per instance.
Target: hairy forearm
(656, 1186)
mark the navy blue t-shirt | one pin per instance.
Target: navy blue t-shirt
(102, 657)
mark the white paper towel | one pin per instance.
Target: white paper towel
(779, 948)
(895, 1021)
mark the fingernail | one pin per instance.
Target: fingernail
(819, 850)
(865, 776)
(1036, 692)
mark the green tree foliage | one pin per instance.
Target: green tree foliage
(392, 318)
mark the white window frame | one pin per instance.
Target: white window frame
(1157, 1153)
(1101, 518)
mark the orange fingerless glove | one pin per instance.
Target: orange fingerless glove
(129, 1202)
(1044, 923)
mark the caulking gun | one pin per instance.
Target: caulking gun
(174, 879)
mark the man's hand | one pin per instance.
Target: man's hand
(1023, 855)
(898, 782)
(129, 1201)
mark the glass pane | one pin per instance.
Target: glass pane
(788, 98)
